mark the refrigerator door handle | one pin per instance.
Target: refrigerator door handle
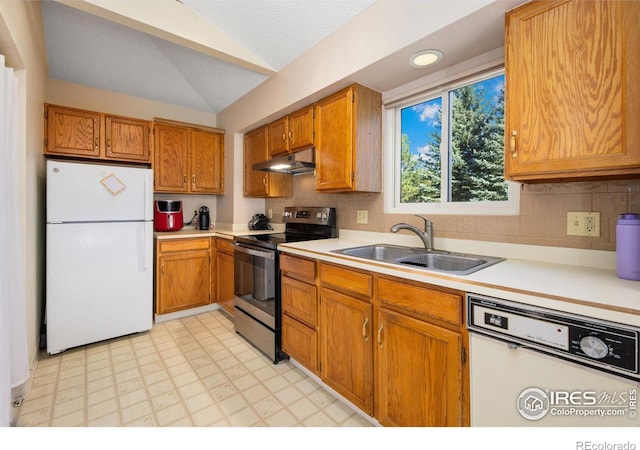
(147, 253)
(148, 195)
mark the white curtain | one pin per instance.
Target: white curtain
(14, 366)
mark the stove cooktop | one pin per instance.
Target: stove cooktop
(302, 224)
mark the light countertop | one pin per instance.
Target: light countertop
(591, 291)
(215, 232)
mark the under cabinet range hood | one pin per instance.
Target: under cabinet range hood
(295, 163)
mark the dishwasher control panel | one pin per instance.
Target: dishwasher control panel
(593, 342)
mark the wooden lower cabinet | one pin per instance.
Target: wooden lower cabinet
(225, 274)
(183, 274)
(300, 311)
(347, 354)
(419, 372)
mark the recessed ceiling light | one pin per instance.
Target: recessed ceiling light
(425, 58)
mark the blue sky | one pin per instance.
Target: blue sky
(419, 121)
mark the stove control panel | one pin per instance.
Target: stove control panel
(312, 214)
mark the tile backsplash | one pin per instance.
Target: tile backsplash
(542, 219)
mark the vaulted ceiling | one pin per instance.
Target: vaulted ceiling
(206, 54)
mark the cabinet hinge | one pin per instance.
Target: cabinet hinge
(46, 114)
(353, 176)
(463, 355)
(353, 97)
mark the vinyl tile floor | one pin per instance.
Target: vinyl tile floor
(192, 372)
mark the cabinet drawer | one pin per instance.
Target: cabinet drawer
(301, 268)
(226, 245)
(346, 280)
(301, 343)
(299, 300)
(180, 245)
(421, 300)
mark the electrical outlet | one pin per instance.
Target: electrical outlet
(362, 216)
(583, 224)
(270, 213)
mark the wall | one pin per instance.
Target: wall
(542, 219)
(22, 39)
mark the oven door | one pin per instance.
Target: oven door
(255, 282)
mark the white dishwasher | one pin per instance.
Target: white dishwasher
(532, 366)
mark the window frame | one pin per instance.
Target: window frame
(392, 155)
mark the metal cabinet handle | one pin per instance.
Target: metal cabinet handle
(264, 180)
(96, 142)
(512, 144)
(162, 269)
(109, 144)
(380, 336)
(284, 137)
(193, 180)
(364, 329)
(291, 135)
(184, 179)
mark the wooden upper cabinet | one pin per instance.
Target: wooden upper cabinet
(572, 84)
(348, 131)
(291, 133)
(262, 184)
(72, 132)
(188, 160)
(127, 139)
(88, 134)
(170, 166)
(207, 157)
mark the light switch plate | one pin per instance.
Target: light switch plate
(583, 224)
(362, 216)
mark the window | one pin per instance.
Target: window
(448, 151)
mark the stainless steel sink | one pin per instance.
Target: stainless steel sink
(379, 252)
(441, 261)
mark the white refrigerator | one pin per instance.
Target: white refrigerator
(99, 252)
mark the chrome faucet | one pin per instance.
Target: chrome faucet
(426, 236)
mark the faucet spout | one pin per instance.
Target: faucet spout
(426, 236)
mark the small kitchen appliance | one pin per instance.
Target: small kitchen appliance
(167, 215)
(204, 221)
(259, 222)
(628, 246)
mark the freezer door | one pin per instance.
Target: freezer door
(81, 192)
(99, 282)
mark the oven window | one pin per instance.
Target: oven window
(255, 274)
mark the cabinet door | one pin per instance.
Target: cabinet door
(419, 373)
(572, 83)
(255, 150)
(300, 129)
(127, 139)
(334, 141)
(278, 141)
(184, 281)
(170, 167)
(346, 349)
(300, 342)
(72, 132)
(224, 283)
(206, 162)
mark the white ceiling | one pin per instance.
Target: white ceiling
(241, 43)
(87, 49)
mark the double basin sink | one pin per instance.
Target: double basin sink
(438, 260)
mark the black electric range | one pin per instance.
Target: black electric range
(257, 302)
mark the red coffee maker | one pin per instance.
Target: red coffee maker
(167, 215)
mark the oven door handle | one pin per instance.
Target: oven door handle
(253, 252)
